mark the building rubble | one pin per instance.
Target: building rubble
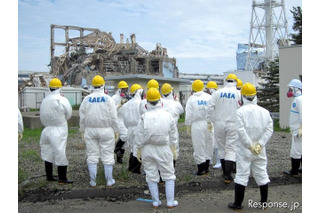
(98, 53)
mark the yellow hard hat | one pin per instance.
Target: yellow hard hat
(97, 81)
(231, 76)
(135, 87)
(153, 84)
(212, 85)
(239, 83)
(55, 83)
(248, 90)
(153, 95)
(122, 85)
(166, 89)
(197, 85)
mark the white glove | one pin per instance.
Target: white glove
(82, 135)
(123, 101)
(139, 155)
(252, 150)
(116, 136)
(256, 150)
(20, 136)
(300, 132)
(174, 152)
(189, 130)
(210, 126)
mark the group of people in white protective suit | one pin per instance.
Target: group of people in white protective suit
(227, 122)
(150, 134)
(240, 130)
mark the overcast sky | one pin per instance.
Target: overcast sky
(202, 35)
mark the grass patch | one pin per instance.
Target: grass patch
(22, 175)
(182, 129)
(31, 155)
(123, 174)
(76, 107)
(101, 179)
(32, 132)
(181, 118)
(72, 132)
(277, 128)
(35, 134)
(188, 178)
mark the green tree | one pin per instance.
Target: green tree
(297, 25)
(268, 91)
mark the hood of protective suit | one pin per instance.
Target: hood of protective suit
(169, 97)
(151, 107)
(212, 91)
(57, 91)
(246, 101)
(118, 92)
(296, 92)
(198, 93)
(100, 89)
(231, 84)
(138, 94)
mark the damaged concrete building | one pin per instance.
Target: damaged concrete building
(96, 52)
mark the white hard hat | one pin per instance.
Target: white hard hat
(295, 83)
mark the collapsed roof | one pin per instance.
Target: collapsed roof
(98, 53)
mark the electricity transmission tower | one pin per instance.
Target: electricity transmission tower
(268, 30)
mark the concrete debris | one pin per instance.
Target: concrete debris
(99, 53)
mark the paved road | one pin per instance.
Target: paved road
(208, 201)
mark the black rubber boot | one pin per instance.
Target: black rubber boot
(119, 151)
(62, 172)
(234, 169)
(295, 165)
(223, 166)
(300, 170)
(49, 168)
(238, 197)
(264, 193)
(207, 166)
(201, 169)
(228, 169)
(134, 164)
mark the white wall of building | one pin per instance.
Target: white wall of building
(290, 67)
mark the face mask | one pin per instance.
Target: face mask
(122, 95)
(289, 94)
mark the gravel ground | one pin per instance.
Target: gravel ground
(289, 196)
(278, 150)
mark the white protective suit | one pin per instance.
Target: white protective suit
(155, 133)
(142, 106)
(131, 116)
(295, 121)
(212, 144)
(20, 122)
(55, 110)
(222, 111)
(175, 109)
(98, 121)
(254, 126)
(123, 131)
(196, 108)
